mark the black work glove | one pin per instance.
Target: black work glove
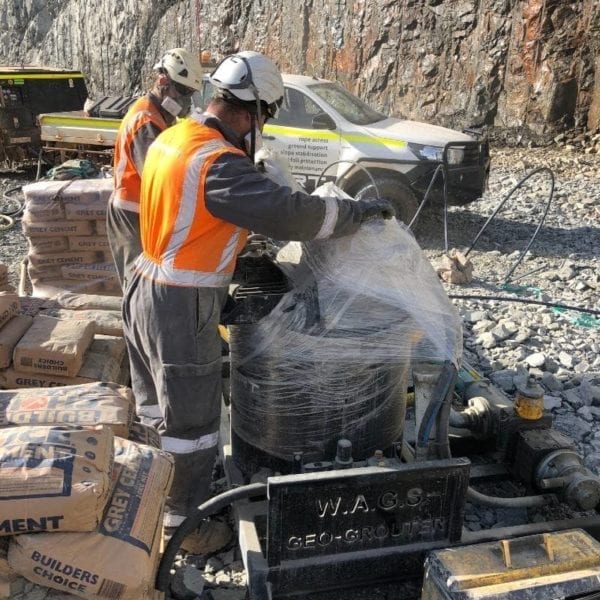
(375, 208)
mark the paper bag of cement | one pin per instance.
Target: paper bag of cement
(144, 434)
(53, 346)
(112, 346)
(10, 335)
(108, 322)
(119, 559)
(83, 301)
(99, 367)
(9, 307)
(87, 404)
(54, 478)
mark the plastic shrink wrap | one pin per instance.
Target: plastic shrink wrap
(333, 358)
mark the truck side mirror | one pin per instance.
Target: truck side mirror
(323, 121)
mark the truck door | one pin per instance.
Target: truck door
(308, 146)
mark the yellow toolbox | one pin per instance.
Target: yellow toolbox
(547, 566)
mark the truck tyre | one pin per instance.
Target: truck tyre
(397, 192)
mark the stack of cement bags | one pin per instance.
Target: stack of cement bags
(65, 225)
(82, 505)
(60, 347)
(4, 285)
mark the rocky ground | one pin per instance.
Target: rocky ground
(506, 341)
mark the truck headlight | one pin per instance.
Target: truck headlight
(455, 155)
(427, 152)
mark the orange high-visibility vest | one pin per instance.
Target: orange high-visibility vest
(183, 243)
(127, 180)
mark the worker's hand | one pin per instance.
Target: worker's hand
(376, 208)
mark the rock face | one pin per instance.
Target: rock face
(531, 66)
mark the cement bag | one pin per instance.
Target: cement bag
(54, 478)
(119, 559)
(54, 346)
(144, 434)
(111, 346)
(10, 335)
(83, 301)
(87, 404)
(108, 322)
(9, 307)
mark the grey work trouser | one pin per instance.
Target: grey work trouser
(123, 230)
(175, 354)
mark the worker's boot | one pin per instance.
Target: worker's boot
(210, 537)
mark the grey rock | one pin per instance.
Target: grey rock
(213, 564)
(551, 402)
(486, 340)
(187, 583)
(551, 382)
(573, 398)
(565, 359)
(504, 379)
(537, 359)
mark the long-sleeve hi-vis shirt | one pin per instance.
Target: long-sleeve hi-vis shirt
(142, 124)
(200, 196)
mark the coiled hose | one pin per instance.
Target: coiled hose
(210, 507)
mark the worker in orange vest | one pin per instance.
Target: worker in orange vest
(179, 75)
(200, 195)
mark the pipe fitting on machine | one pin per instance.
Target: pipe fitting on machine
(477, 417)
(563, 472)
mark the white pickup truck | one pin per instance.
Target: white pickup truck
(322, 124)
(327, 133)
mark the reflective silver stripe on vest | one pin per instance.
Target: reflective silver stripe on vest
(118, 175)
(181, 446)
(123, 204)
(163, 273)
(166, 271)
(229, 250)
(331, 216)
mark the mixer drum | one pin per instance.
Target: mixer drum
(286, 399)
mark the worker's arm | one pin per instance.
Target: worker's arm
(236, 192)
(142, 139)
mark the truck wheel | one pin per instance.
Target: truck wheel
(397, 192)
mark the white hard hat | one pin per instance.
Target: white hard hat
(182, 67)
(250, 76)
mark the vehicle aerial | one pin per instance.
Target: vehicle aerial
(27, 91)
(327, 133)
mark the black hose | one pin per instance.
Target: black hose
(426, 196)
(440, 392)
(502, 203)
(499, 502)
(210, 507)
(590, 311)
(442, 432)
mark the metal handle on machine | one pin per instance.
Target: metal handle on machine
(506, 552)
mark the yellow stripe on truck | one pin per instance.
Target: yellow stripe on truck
(325, 134)
(19, 76)
(298, 132)
(93, 123)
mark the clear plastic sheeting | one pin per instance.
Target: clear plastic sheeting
(332, 359)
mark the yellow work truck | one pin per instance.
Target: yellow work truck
(25, 92)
